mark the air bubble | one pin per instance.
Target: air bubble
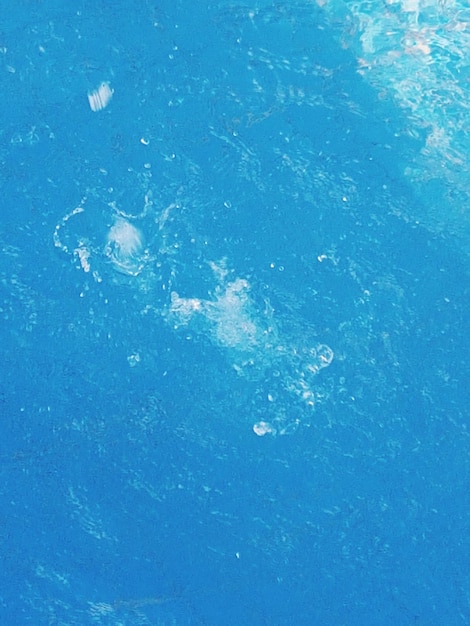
(124, 248)
(324, 355)
(263, 428)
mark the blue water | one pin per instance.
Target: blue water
(234, 291)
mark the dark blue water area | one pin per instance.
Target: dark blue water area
(134, 489)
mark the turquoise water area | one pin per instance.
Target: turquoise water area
(415, 54)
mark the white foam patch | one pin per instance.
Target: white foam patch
(230, 318)
(124, 247)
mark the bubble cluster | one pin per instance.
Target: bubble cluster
(279, 362)
(255, 346)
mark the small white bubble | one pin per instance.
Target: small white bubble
(133, 359)
(263, 428)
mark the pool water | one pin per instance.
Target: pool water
(234, 313)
